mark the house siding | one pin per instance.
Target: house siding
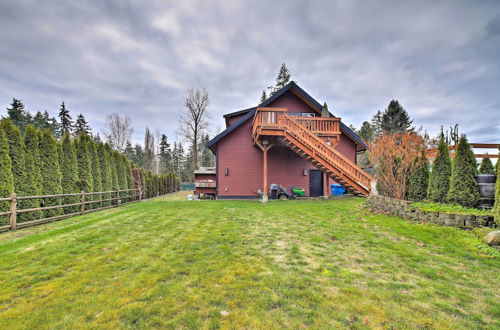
(237, 153)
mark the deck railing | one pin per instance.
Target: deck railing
(205, 184)
(321, 126)
(268, 118)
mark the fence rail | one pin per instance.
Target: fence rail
(134, 195)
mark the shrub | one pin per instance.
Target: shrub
(105, 172)
(69, 170)
(463, 184)
(16, 154)
(6, 177)
(393, 157)
(51, 173)
(439, 180)
(84, 163)
(96, 173)
(33, 186)
(486, 166)
(419, 179)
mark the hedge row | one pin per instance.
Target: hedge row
(37, 164)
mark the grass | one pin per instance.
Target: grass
(169, 263)
(449, 208)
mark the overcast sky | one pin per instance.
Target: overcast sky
(440, 59)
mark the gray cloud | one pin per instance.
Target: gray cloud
(439, 59)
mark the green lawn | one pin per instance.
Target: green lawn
(170, 263)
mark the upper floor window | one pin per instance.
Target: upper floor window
(302, 114)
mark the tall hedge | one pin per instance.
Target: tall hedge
(96, 173)
(439, 180)
(6, 177)
(16, 153)
(115, 185)
(51, 173)
(86, 180)
(419, 180)
(33, 185)
(463, 184)
(486, 166)
(104, 162)
(69, 170)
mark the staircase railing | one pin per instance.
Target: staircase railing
(330, 155)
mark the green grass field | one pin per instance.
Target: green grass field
(170, 263)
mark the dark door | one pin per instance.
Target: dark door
(315, 183)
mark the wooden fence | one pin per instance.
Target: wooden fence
(115, 200)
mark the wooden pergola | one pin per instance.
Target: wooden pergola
(432, 153)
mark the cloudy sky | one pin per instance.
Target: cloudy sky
(440, 59)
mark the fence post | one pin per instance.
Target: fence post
(140, 195)
(82, 200)
(13, 211)
(117, 197)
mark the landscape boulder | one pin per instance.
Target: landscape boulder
(492, 238)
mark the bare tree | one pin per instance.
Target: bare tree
(194, 119)
(119, 130)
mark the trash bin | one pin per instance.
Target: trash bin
(337, 189)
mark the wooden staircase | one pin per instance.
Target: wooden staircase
(313, 147)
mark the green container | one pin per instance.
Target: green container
(299, 192)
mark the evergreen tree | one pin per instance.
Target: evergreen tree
(120, 167)
(282, 79)
(69, 170)
(96, 172)
(81, 126)
(104, 162)
(129, 151)
(96, 138)
(16, 153)
(395, 119)
(51, 173)
(486, 166)
(463, 184)
(149, 153)
(65, 121)
(138, 158)
(33, 186)
(376, 124)
(86, 179)
(19, 116)
(419, 180)
(115, 185)
(439, 181)
(366, 132)
(6, 177)
(165, 155)
(263, 97)
(207, 157)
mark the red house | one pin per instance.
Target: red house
(291, 140)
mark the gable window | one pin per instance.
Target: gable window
(302, 114)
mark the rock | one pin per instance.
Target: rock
(493, 238)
